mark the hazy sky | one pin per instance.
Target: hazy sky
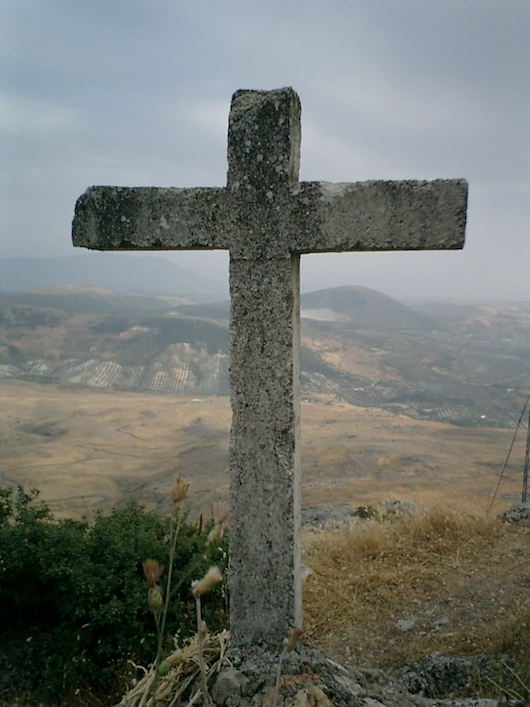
(137, 92)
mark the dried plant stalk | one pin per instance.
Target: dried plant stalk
(184, 672)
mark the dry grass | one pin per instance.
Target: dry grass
(387, 592)
(183, 676)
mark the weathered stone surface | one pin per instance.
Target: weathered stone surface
(265, 552)
(309, 677)
(438, 676)
(152, 218)
(228, 686)
(406, 624)
(316, 217)
(519, 513)
(266, 219)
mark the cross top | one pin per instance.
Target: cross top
(266, 219)
(264, 141)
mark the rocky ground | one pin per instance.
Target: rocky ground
(312, 679)
(307, 677)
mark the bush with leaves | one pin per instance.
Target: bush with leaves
(76, 589)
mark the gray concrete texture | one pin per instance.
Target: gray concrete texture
(267, 219)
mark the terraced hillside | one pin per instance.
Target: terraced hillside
(182, 369)
(95, 338)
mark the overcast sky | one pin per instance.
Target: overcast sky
(137, 92)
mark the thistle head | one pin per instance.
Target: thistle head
(221, 515)
(179, 489)
(155, 600)
(152, 572)
(200, 587)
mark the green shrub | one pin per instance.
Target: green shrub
(76, 588)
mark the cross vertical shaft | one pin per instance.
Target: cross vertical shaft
(264, 449)
(263, 158)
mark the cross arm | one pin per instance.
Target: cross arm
(380, 215)
(151, 218)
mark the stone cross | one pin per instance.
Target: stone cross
(266, 219)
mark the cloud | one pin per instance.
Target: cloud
(35, 118)
(137, 92)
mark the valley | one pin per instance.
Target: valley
(94, 449)
(105, 397)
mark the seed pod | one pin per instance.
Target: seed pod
(154, 598)
(163, 668)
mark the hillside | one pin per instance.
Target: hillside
(359, 307)
(89, 336)
(362, 308)
(469, 365)
(80, 299)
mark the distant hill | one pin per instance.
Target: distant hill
(208, 310)
(116, 271)
(363, 308)
(354, 307)
(503, 320)
(82, 299)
